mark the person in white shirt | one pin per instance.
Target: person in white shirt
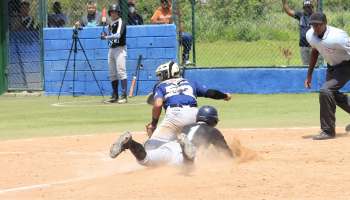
(334, 46)
(59, 19)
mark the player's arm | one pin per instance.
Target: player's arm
(156, 111)
(287, 9)
(216, 94)
(313, 60)
(220, 144)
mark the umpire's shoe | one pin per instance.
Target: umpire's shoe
(121, 144)
(188, 149)
(123, 99)
(113, 99)
(324, 136)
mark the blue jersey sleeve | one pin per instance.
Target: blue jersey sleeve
(201, 90)
(158, 93)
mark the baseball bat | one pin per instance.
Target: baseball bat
(134, 79)
(104, 20)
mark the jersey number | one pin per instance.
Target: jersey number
(174, 89)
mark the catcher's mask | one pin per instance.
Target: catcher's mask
(167, 71)
(114, 7)
(208, 114)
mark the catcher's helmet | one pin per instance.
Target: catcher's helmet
(208, 114)
(168, 70)
(114, 7)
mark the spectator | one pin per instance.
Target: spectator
(304, 25)
(13, 14)
(59, 19)
(134, 18)
(163, 15)
(25, 21)
(92, 18)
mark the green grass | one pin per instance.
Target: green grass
(33, 117)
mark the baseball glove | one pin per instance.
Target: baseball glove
(150, 129)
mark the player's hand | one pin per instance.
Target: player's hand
(228, 97)
(308, 82)
(103, 36)
(77, 24)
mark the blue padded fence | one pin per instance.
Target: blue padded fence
(157, 44)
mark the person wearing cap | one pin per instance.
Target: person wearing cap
(334, 46)
(133, 17)
(59, 19)
(304, 26)
(163, 15)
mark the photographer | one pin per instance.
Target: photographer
(93, 18)
(117, 54)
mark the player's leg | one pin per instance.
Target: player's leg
(124, 142)
(187, 43)
(112, 65)
(305, 55)
(330, 96)
(175, 119)
(121, 62)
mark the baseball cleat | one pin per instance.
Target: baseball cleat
(120, 144)
(113, 99)
(123, 99)
(324, 136)
(187, 147)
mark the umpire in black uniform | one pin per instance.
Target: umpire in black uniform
(334, 46)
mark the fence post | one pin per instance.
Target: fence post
(320, 61)
(125, 12)
(176, 20)
(3, 43)
(193, 35)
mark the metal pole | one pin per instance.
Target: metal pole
(320, 62)
(176, 20)
(3, 45)
(193, 35)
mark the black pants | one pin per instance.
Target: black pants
(330, 96)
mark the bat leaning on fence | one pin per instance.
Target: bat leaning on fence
(134, 79)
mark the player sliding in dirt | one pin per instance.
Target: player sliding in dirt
(180, 153)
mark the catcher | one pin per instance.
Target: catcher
(180, 153)
(178, 96)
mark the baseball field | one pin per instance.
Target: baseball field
(59, 149)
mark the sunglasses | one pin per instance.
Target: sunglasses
(164, 1)
(317, 25)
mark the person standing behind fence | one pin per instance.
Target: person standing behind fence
(304, 26)
(93, 18)
(25, 21)
(334, 46)
(117, 54)
(59, 19)
(133, 17)
(163, 15)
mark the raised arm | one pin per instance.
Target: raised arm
(287, 9)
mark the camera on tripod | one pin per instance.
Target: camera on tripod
(75, 30)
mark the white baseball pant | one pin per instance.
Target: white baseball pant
(117, 62)
(168, 154)
(175, 119)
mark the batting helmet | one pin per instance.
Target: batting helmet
(168, 70)
(208, 114)
(114, 7)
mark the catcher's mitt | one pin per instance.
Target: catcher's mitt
(150, 129)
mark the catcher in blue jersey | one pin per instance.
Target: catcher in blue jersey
(178, 96)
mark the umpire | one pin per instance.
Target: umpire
(334, 46)
(117, 54)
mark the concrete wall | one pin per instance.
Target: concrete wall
(156, 43)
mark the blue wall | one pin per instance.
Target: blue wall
(157, 44)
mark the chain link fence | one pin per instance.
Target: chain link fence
(216, 33)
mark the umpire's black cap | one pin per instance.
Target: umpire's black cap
(318, 17)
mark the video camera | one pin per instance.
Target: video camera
(75, 30)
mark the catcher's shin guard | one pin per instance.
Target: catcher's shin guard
(188, 149)
(121, 144)
(138, 150)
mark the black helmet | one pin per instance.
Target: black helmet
(208, 114)
(114, 7)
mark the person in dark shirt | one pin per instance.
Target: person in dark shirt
(133, 17)
(26, 21)
(180, 153)
(304, 26)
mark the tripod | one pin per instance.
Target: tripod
(75, 39)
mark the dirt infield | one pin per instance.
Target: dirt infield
(274, 164)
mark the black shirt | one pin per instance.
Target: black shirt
(119, 26)
(202, 136)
